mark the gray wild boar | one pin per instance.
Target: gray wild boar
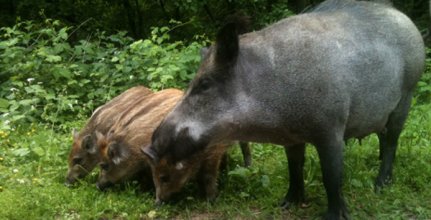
(84, 156)
(345, 69)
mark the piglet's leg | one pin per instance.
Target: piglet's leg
(207, 176)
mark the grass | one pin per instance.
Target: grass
(33, 166)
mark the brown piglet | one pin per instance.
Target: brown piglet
(84, 155)
(121, 158)
(203, 167)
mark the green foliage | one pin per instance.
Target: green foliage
(423, 90)
(46, 78)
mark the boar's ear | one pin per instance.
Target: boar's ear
(150, 153)
(117, 153)
(88, 144)
(75, 133)
(227, 44)
(204, 52)
(99, 136)
(179, 166)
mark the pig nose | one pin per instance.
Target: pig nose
(69, 181)
(103, 186)
(159, 202)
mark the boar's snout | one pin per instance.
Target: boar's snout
(102, 186)
(72, 177)
(159, 202)
(161, 199)
(69, 181)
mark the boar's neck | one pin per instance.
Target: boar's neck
(269, 90)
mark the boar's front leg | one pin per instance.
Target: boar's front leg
(295, 159)
(331, 162)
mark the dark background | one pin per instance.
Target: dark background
(198, 16)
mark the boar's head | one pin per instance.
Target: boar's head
(117, 162)
(83, 157)
(169, 178)
(208, 112)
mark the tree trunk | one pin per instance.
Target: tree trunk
(138, 16)
(130, 17)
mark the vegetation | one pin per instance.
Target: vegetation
(45, 78)
(33, 166)
(53, 74)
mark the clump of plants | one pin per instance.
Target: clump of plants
(46, 77)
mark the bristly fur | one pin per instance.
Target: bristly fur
(84, 142)
(330, 5)
(333, 5)
(121, 147)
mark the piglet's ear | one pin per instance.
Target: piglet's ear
(149, 152)
(99, 136)
(117, 153)
(227, 44)
(179, 166)
(204, 52)
(75, 133)
(88, 144)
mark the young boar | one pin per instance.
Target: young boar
(170, 178)
(346, 69)
(84, 156)
(121, 158)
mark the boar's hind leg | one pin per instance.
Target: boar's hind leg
(295, 159)
(246, 154)
(331, 162)
(389, 141)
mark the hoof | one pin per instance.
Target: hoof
(160, 203)
(341, 216)
(380, 184)
(285, 205)
(289, 201)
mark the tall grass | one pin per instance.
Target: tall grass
(33, 165)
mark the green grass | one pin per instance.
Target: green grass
(33, 166)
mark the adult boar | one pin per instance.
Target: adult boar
(84, 156)
(345, 69)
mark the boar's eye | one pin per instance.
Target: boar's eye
(104, 166)
(77, 160)
(203, 85)
(164, 178)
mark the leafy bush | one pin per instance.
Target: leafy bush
(423, 90)
(45, 78)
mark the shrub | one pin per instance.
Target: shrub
(45, 78)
